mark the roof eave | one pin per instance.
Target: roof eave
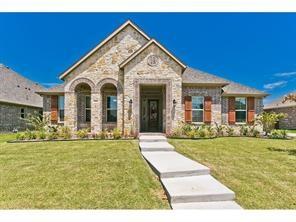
(21, 104)
(246, 94)
(204, 84)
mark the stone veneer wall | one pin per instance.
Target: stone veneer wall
(166, 72)
(214, 92)
(258, 108)
(10, 116)
(103, 64)
(290, 121)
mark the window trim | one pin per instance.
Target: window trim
(246, 110)
(59, 119)
(110, 108)
(85, 109)
(23, 113)
(203, 110)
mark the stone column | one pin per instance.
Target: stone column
(71, 110)
(119, 110)
(96, 115)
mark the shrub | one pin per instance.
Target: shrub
(192, 134)
(103, 134)
(65, 132)
(82, 134)
(268, 120)
(117, 133)
(20, 136)
(278, 134)
(52, 135)
(230, 131)
(41, 135)
(244, 130)
(30, 135)
(37, 121)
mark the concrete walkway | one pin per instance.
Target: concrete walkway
(187, 183)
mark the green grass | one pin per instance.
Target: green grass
(292, 131)
(77, 175)
(262, 172)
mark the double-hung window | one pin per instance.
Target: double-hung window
(240, 109)
(61, 108)
(197, 109)
(111, 108)
(87, 109)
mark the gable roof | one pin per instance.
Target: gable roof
(230, 88)
(58, 89)
(234, 88)
(195, 76)
(17, 89)
(278, 103)
(82, 59)
(152, 41)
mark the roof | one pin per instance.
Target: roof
(278, 103)
(58, 89)
(195, 76)
(82, 59)
(152, 41)
(17, 89)
(234, 88)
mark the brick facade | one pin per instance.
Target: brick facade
(290, 121)
(10, 116)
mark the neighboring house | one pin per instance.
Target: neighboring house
(17, 99)
(132, 82)
(287, 107)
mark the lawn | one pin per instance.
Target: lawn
(77, 175)
(292, 131)
(262, 172)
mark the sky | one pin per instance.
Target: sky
(255, 49)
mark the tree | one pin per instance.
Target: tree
(269, 119)
(291, 97)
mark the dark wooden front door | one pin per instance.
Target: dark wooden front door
(153, 115)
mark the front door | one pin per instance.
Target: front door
(153, 115)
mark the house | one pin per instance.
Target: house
(132, 82)
(17, 99)
(287, 107)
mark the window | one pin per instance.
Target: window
(240, 109)
(87, 109)
(22, 113)
(61, 107)
(111, 108)
(197, 109)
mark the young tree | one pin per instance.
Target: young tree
(269, 120)
(37, 121)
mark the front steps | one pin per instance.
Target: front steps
(187, 183)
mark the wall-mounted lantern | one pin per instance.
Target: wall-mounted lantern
(131, 102)
(174, 102)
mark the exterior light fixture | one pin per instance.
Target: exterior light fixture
(174, 102)
(131, 101)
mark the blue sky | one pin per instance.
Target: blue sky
(258, 50)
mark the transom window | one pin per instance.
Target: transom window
(240, 109)
(111, 108)
(198, 109)
(87, 109)
(61, 107)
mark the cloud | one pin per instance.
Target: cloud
(285, 74)
(274, 85)
(49, 84)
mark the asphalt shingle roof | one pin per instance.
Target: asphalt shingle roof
(55, 89)
(17, 89)
(278, 103)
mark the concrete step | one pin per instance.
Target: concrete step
(208, 205)
(202, 188)
(173, 164)
(152, 138)
(155, 146)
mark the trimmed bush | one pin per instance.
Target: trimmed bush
(278, 134)
(82, 134)
(117, 133)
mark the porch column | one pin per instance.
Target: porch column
(120, 117)
(70, 110)
(96, 116)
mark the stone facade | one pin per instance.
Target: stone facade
(290, 121)
(10, 116)
(125, 64)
